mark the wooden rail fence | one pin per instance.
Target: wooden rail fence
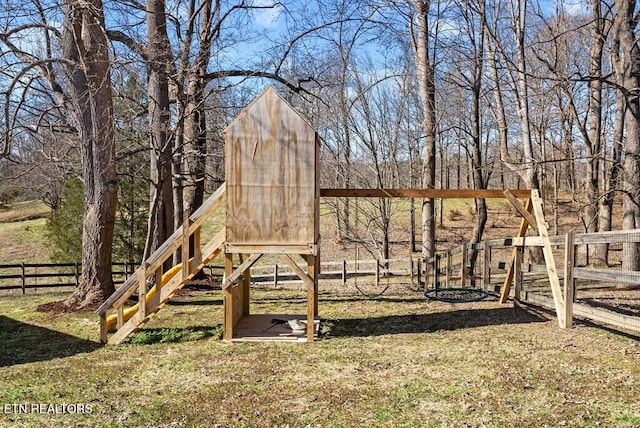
(584, 286)
(24, 276)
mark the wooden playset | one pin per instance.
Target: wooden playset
(272, 200)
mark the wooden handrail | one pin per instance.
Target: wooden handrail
(166, 250)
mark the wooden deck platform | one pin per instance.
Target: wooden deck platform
(270, 327)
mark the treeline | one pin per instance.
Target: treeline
(132, 98)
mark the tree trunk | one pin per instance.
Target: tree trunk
(426, 84)
(161, 208)
(626, 24)
(86, 50)
(601, 251)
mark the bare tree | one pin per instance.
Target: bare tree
(421, 39)
(87, 67)
(626, 25)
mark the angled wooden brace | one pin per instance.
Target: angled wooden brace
(522, 231)
(233, 277)
(298, 271)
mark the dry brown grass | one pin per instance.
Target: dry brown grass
(395, 361)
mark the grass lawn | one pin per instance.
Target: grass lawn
(396, 361)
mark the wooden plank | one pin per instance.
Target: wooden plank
(298, 271)
(522, 230)
(623, 321)
(261, 328)
(213, 248)
(271, 249)
(515, 202)
(233, 277)
(422, 193)
(569, 262)
(616, 236)
(617, 276)
(549, 260)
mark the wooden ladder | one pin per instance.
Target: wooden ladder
(167, 284)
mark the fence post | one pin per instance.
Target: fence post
(436, 271)
(377, 273)
(23, 278)
(77, 273)
(419, 272)
(569, 283)
(486, 267)
(447, 268)
(411, 270)
(344, 272)
(463, 266)
(275, 275)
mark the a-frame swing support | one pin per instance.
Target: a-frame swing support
(532, 217)
(536, 222)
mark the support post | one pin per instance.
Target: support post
(184, 253)
(312, 296)
(228, 298)
(569, 282)
(246, 287)
(103, 328)
(517, 275)
(142, 291)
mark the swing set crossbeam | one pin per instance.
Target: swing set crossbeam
(424, 193)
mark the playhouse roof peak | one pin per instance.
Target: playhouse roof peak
(269, 96)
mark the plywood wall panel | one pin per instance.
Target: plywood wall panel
(271, 157)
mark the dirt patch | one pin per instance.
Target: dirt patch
(56, 307)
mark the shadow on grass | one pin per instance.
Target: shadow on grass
(426, 323)
(150, 336)
(27, 343)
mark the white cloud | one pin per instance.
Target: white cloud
(267, 17)
(575, 7)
